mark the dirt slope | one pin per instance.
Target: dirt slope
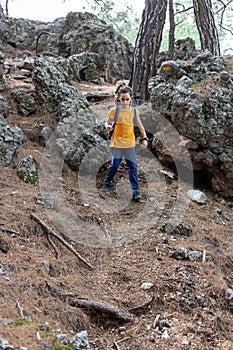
(40, 282)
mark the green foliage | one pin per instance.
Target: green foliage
(124, 21)
(59, 346)
(21, 322)
(92, 74)
(2, 151)
(63, 347)
(27, 177)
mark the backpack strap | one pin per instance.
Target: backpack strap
(134, 115)
(116, 113)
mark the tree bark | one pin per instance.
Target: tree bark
(171, 29)
(147, 46)
(7, 10)
(204, 17)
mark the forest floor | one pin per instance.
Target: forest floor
(123, 244)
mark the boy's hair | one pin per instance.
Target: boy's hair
(125, 90)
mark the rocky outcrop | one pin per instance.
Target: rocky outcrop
(78, 130)
(10, 139)
(196, 97)
(95, 48)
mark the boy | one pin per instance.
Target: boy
(123, 141)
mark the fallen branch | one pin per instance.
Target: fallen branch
(139, 309)
(116, 346)
(101, 307)
(104, 228)
(7, 230)
(115, 343)
(54, 234)
(20, 309)
(54, 246)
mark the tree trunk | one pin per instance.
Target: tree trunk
(171, 29)
(7, 10)
(204, 18)
(147, 46)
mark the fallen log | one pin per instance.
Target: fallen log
(101, 307)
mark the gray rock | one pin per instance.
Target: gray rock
(27, 170)
(10, 140)
(179, 254)
(194, 255)
(4, 107)
(229, 297)
(200, 107)
(176, 227)
(197, 196)
(26, 102)
(46, 200)
(75, 34)
(62, 338)
(147, 285)
(80, 341)
(78, 132)
(45, 134)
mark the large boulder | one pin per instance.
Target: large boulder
(78, 131)
(196, 97)
(10, 140)
(108, 55)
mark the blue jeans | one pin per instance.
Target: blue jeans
(130, 157)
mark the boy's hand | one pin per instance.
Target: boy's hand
(144, 144)
(109, 128)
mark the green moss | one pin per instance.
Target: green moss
(92, 74)
(2, 151)
(63, 347)
(59, 346)
(27, 177)
(21, 323)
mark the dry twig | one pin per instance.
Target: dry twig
(50, 231)
(116, 346)
(115, 343)
(20, 309)
(7, 230)
(141, 308)
(57, 253)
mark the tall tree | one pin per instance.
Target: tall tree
(150, 35)
(147, 46)
(204, 17)
(171, 29)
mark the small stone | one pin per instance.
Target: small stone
(229, 297)
(194, 255)
(197, 196)
(147, 285)
(179, 254)
(165, 334)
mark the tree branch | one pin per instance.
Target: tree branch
(7, 230)
(50, 231)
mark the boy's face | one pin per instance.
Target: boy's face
(125, 100)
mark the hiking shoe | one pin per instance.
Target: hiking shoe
(136, 195)
(107, 185)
